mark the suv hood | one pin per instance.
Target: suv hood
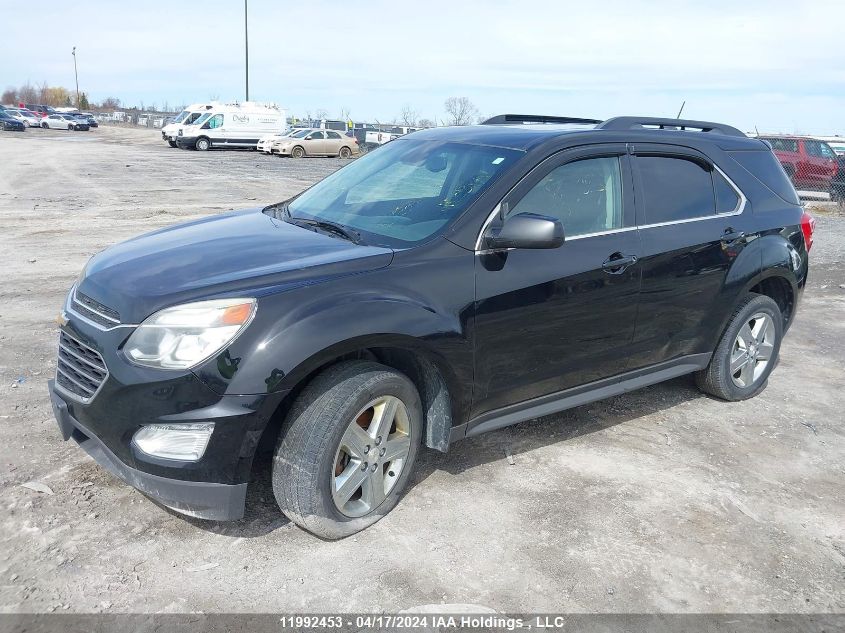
(244, 252)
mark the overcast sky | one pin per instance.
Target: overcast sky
(777, 65)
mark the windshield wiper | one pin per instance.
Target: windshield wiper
(345, 232)
(331, 227)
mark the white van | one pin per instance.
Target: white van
(232, 125)
(185, 117)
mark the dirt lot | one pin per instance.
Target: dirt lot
(660, 500)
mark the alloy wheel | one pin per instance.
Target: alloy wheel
(372, 453)
(752, 350)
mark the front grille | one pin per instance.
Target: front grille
(94, 310)
(80, 370)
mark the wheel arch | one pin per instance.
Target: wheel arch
(431, 374)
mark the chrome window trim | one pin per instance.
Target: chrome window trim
(496, 210)
(70, 394)
(738, 210)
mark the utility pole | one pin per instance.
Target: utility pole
(246, 46)
(76, 75)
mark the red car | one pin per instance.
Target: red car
(811, 164)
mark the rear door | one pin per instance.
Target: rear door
(333, 142)
(549, 320)
(315, 143)
(693, 223)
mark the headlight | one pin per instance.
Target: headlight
(183, 336)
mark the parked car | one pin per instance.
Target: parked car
(453, 282)
(10, 124)
(29, 119)
(88, 117)
(809, 163)
(837, 191)
(316, 142)
(265, 143)
(40, 110)
(61, 121)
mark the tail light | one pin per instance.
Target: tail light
(808, 227)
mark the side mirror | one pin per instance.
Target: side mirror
(526, 230)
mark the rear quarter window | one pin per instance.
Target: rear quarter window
(766, 168)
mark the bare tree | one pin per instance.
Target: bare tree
(28, 93)
(426, 123)
(10, 95)
(320, 114)
(344, 114)
(110, 103)
(459, 111)
(409, 116)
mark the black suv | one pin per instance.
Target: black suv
(455, 281)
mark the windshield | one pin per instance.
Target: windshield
(300, 134)
(205, 117)
(181, 116)
(406, 191)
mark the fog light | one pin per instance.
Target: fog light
(185, 442)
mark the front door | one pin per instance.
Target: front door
(549, 320)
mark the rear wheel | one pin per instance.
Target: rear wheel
(347, 448)
(297, 152)
(203, 144)
(345, 152)
(747, 352)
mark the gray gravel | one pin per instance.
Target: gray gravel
(659, 500)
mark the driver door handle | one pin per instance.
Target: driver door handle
(617, 263)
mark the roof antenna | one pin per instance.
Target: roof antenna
(681, 110)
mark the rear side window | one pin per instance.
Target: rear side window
(674, 188)
(333, 135)
(764, 166)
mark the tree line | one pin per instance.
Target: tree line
(458, 110)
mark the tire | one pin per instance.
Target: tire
(45, 126)
(69, 128)
(345, 152)
(312, 458)
(758, 346)
(203, 144)
(297, 152)
(171, 143)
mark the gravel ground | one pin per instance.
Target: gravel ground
(659, 500)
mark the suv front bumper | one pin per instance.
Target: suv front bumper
(201, 499)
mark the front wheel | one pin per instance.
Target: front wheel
(45, 126)
(171, 143)
(203, 144)
(747, 352)
(347, 448)
(297, 152)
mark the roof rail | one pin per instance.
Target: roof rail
(535, 118)
(630, 122)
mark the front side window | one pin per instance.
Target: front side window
(406, 191)
(675, 188)
(585, 195)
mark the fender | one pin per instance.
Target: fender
(426, 309)
(768, 256)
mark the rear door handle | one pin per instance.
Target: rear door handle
(617, 263)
